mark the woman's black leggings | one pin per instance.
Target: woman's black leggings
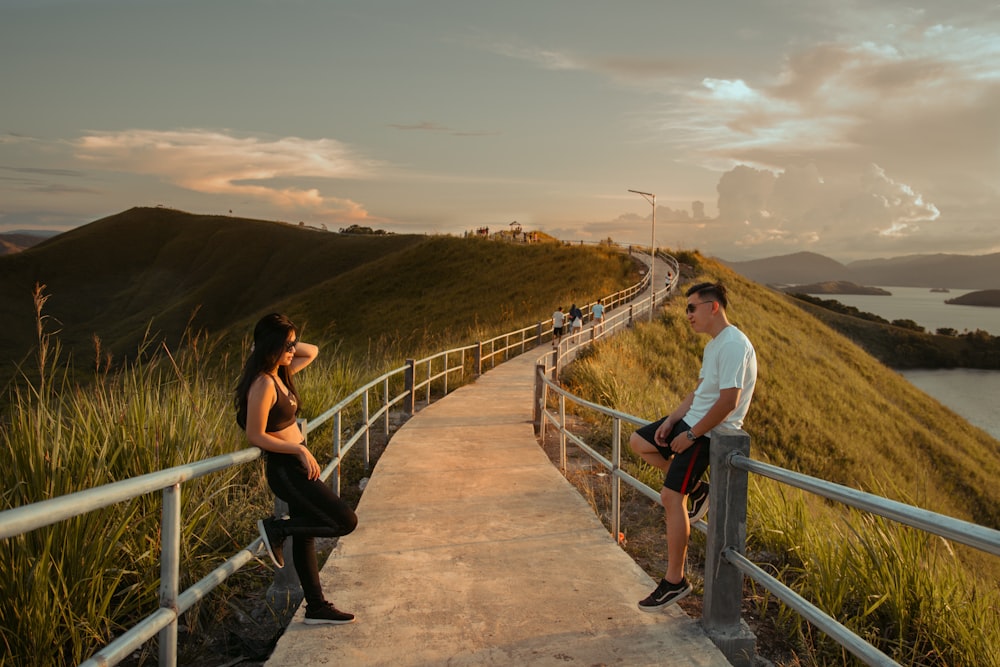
(314, 510)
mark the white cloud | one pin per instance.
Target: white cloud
(222, 164)
(803, 207)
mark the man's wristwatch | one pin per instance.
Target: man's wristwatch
(690, 435)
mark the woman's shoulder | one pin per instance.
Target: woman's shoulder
(262, 381)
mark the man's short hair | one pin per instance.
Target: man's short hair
(710, 291)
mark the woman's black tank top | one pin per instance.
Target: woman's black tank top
(282, 413)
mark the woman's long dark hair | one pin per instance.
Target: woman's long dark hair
(269, 339)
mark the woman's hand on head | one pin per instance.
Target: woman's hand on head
(305, 354)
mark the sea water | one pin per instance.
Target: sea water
(926, 308)
(969, 392)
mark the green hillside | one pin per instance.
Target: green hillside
(823, 405)
(164, 269)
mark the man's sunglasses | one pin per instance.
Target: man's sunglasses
(693, 306)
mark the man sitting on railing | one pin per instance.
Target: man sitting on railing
(678, 443)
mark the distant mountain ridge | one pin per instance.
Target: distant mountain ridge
(937, 270)
(11, 242)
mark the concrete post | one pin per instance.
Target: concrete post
(538, 336)
(477, 364)
(727, 529)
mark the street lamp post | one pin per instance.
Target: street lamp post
(651, 198)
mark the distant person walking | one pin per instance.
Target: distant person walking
(597, 310)
(575, 320)
(558, 320)
(266, 406)
(678, 444)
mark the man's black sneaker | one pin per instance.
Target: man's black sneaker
(327, 614)
(699, 502)
(665, 594)
(273, 543)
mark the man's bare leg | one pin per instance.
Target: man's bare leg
(678, 533)
(647, 452)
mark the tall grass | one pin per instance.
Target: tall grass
(69, 588)
(824, 407)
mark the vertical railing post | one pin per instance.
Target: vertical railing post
(727, 529)
(366, 416)
(430, 374)
(539, 405)
(170, 549)
(446, 371)
(285, 589)
(477, 363)
(562, 432)
(539, 334)
(385, 407)
(409, 381)
(616, 482)
(337, 446)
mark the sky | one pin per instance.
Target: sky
(764, 127)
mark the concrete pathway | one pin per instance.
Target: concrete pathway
(472, 549)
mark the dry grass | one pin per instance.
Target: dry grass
(825, 408)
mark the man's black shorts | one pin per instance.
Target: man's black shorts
(687, 467)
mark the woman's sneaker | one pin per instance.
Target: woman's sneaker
(665, 594)
(326, 613)
(699, 502)
(273, 543)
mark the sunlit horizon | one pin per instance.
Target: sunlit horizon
(764, 129)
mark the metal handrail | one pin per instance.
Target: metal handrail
(974, 535)
(163, 621)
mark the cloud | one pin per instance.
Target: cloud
(905, 98)
(35, 180)
(427, 126)
(222, 164)
(803, 207)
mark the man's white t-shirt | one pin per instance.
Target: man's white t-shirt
(557, 318)
(729, 361)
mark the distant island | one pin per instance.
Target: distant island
(986, 297)
(940, 289)
(836, 287)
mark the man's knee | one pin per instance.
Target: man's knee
(639, 444)
(671, 498)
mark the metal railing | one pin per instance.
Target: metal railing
(725, 561)
(428, 377)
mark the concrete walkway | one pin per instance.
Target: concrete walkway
(472, 549)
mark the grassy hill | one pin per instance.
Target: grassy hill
(164, 270)
(825, 407)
